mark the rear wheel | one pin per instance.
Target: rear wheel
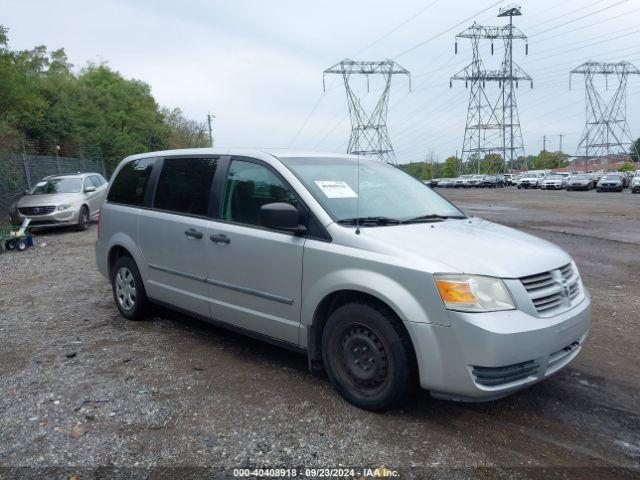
(128, 289)
(367, 356)
(21, 245)
(11, 244)
(83, 219)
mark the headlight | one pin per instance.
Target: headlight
(473, 293)
(64, 206)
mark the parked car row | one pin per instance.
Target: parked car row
(469, 181)
(546, 180)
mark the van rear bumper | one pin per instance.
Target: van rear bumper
(101, 259)
(481, 360)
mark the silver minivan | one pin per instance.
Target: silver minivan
(379, 280)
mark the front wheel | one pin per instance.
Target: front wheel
(128, 289)
(368, 356)
(83, 219)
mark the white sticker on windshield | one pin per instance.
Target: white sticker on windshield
(335, 189)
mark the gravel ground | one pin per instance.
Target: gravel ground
(81, 387)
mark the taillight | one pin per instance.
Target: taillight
(99, 216)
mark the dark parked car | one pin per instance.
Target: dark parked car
(584, 181)
(611, 182)
(432, 182)
(635, 183)
(492, 181)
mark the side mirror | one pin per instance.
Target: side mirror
(281, 216)
(90, 189)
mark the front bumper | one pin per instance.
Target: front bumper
(610, 188)
(551, 186)
(54, 219)
(494, 343)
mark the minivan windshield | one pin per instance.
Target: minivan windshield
(387, 194)
(57, 185)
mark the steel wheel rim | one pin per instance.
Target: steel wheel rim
(361, 359)
(125, 288)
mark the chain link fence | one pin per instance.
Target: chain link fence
(20, 172)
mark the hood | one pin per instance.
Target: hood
(580, 180)
(473, 246)
(43, 200)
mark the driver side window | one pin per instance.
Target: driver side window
(248, 187)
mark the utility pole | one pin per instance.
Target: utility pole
(493, 126)
(369, 134)
(58, 160)
(209, 117)
(544, 141)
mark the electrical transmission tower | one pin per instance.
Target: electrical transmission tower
(369, 134)
(493, 125)
(606, 131)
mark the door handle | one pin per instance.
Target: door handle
(193, 233)
(220, 239)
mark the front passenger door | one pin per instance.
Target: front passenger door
(254, 273)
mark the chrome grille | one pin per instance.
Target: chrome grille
(554, 291)
(46, 210)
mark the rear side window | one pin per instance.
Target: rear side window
(185, 184)
(130, 184)
(95, 181)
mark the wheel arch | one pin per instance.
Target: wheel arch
(116, 252)
(329, 304)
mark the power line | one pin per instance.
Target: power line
(411, 49)
(580, 18)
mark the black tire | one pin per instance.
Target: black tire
(11, 244)
(362, 333)
(83, 219)
(21, 245)
(140, 303)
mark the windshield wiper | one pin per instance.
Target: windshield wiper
(370, 221)
(434, 217)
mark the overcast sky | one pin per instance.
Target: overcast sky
(257, 64)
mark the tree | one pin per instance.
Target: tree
(634, 151)
(548, 160)
(450, 167)
(95, 113)
(183, 132)
(627, 167)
